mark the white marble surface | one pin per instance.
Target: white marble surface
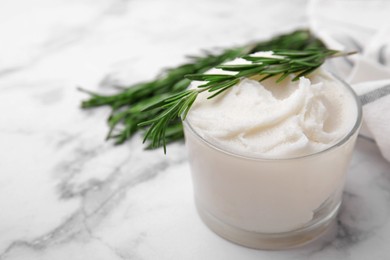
(65, 193)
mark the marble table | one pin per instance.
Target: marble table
(65, 193)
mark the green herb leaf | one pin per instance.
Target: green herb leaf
(159, 105)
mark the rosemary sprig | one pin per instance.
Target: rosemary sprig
(128, 105)
(282, 64)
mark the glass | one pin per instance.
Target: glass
(269, 203)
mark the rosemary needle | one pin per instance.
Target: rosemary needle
(285, 62)
(167, 99)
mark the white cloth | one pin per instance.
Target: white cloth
(363, 26)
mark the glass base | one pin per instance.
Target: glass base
(268, 241)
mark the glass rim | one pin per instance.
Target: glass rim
(339, 143)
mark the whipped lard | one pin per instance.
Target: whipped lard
(268, 119)
(244, 199)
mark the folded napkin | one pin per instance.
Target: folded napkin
(363, 26)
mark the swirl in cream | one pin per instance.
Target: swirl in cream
(269, 119)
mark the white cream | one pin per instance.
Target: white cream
(277, 121)
(269, 119)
